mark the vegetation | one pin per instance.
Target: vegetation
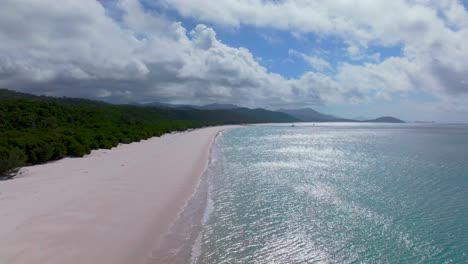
(36, 129)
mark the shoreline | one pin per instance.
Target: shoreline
(182, 238)
(197, 186)
(106, 207)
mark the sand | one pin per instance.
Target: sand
(112, 206)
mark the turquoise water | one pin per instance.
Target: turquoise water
(337, 193)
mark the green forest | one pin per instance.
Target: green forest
(37, 129)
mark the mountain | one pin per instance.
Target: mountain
(212, 113)
(259, 114)
(165, 105)
(6, 94)
(9, 94)
(217, 107)
(310, 115)
(385, 119)
(187, 106)
(307, 115)
(224, 113)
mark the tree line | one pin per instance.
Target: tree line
(37, 129)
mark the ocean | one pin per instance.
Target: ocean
(331, 193)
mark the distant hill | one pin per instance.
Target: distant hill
(224, 113)
(6, 94)
(9, 94)
(310, 115)
(263, 114)
(217, 107)
(212, 113)
(307, 115)
(385, 119)
(187, 106)
(164, 105)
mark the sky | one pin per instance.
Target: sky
(350, 58)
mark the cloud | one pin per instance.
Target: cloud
(315, 62)
(431, 33)
(361, 21)
(77, 49)
(357, 53)
(120, 52)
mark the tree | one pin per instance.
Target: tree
(10, 161)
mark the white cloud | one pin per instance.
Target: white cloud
(432, 33)
(363, 21)
(315, 62)
(356, 53)
(75, 48)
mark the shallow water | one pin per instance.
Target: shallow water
(336, 193)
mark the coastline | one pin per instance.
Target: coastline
(181, 243)
(106, 207)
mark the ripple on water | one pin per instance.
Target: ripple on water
(335, 195)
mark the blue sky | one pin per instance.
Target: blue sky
(349, 58)
(272, 47)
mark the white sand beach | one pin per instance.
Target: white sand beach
(112, 206)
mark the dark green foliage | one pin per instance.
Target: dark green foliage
(10, 160)
(59, 150)
(40, 152)
(36, 129)
(74, 148)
